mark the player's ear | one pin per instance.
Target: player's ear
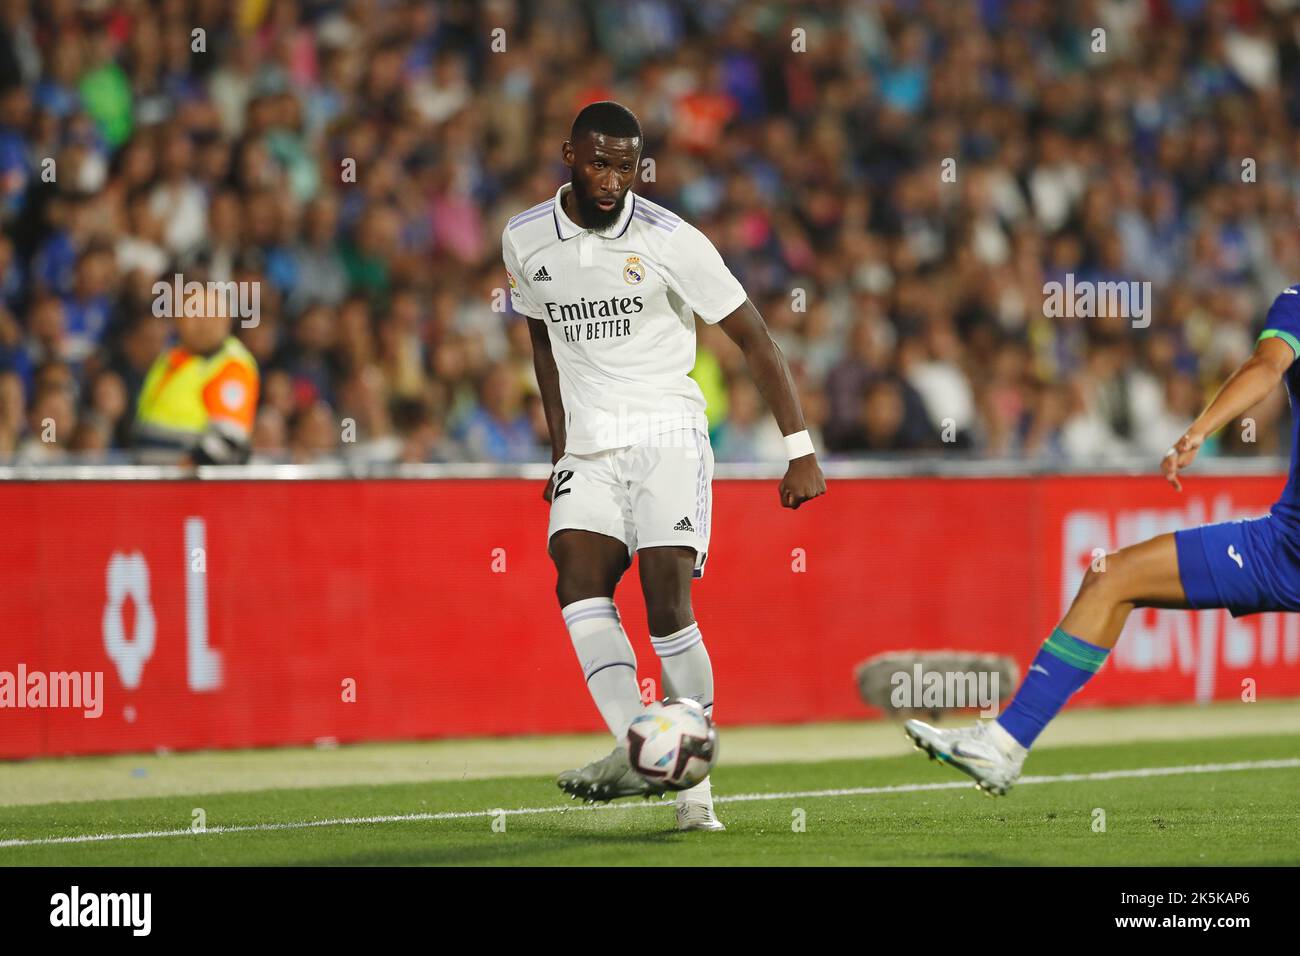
(567, 154)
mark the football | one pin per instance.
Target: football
(673, 744)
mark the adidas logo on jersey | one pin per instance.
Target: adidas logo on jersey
(541, 275)
(683, 525)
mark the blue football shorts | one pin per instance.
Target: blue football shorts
(1246, 566)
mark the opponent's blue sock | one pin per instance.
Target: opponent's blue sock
(1063, 665)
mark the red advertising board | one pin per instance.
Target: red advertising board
(242, 613)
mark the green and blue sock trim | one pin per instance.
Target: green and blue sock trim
(1063, 664)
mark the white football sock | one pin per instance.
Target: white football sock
(684, 665)
(607, 659)
(1005, 742)
(686, 671)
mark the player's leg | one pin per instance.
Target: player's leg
(993, 752)
(588, 566)
(666, 575)
(672, 502)
(685, 668)
(1143, 575)
(589, 543)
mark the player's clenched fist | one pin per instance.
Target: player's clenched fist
(1179, 457)
(803, 481)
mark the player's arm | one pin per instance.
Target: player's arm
(803, 478)
(548, 376)
(1254, 381)
(548, 381)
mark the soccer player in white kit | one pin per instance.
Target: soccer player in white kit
(610, 283)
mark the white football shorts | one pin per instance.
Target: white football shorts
(653, 494)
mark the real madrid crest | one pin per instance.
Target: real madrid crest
(633, 272)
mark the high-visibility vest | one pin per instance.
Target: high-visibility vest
(184, 394)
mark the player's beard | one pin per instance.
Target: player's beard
(593, 217)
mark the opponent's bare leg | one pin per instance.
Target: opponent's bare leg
(992, 752)
(666, 576)
(1144, 575)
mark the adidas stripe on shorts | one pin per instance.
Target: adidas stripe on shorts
(653, 494)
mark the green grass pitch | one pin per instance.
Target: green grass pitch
(776, 814)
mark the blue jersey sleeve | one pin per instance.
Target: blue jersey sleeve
(1283, 319)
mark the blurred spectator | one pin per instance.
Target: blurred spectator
(750, 433)
(199, 398)
(423, 438)
(881, 424)
(499, 429)
(357, 160)
(11, 412)
(51, 424)
(313, 435)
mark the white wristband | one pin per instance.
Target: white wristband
(798, 445)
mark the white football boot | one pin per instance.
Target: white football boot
(695, 808)
(987, 753)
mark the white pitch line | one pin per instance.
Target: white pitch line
(1282, 764)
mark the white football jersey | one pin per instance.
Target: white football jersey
(618, 307)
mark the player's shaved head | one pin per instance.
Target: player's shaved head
(612, 119)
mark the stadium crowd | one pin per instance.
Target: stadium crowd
(218, 140)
